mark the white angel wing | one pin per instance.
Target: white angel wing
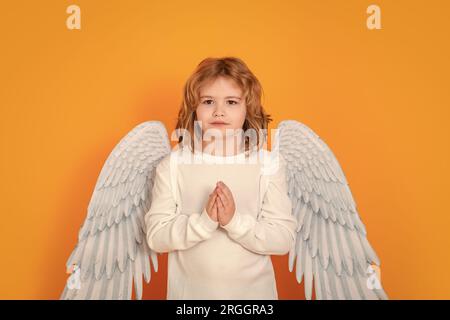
(331, 246)
(111, 248)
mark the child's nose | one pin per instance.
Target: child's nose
(219, 109)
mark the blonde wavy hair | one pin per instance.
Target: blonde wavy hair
(235, 69)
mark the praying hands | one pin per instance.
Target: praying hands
(220, 206)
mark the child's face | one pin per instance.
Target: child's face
(221, 100)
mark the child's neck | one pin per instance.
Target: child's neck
(225, 148)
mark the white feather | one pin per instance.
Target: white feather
(317, 183)
(109, 259)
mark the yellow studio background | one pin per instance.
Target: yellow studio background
(378, 98)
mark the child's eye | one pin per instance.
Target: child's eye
(232, 102)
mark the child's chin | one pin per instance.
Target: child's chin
(224, 128)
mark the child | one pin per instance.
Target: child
(226, 224)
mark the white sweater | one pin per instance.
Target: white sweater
(208, 260)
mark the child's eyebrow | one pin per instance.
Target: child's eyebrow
(225, 97)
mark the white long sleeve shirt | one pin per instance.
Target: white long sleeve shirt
(210, 261)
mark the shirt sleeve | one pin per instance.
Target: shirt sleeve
(274, 232)
(167, 230)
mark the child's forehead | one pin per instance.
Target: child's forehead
(220, 84)
(226, 97)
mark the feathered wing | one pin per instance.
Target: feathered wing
(111, 249)
(331, 246)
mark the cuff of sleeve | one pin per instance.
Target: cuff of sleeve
(207, 222)
(232, 225)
